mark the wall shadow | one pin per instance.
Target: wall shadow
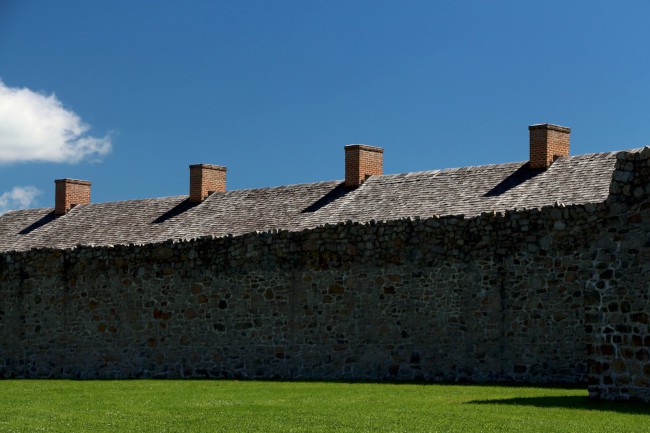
(181, 207)
(572, 402)
(519, 176)
(37, 224)
(338, 192)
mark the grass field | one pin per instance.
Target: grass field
(232, 406)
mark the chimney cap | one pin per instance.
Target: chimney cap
(364, 147)
(209, 167)
(75, 181)
(549, 126)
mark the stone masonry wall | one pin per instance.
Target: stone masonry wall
(496, 297)
(617, 304)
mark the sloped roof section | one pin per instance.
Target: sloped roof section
(468, 191)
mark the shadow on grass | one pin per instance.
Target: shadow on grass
(571, 402)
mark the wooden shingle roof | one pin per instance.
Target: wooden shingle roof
(468, 191)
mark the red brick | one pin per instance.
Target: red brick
(206, 179)
(69, 193)
(548, 142)
(361, 162)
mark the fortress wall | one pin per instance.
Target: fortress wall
(495, 297)
(617, 305)
(559, 294)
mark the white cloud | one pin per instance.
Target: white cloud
(20, 197)
(36, 127)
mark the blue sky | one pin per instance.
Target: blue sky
(127, 94)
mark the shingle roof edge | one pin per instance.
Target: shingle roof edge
(591, 207)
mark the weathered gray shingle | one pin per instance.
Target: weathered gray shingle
(468, 191)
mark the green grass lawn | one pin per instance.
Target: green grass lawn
(216, 406)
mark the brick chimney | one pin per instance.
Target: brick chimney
(69, 193)
(206, 179)
(547, 143)
(361, 162)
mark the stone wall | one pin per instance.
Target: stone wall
(551, 295)
(496, 297)
(617, 305)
